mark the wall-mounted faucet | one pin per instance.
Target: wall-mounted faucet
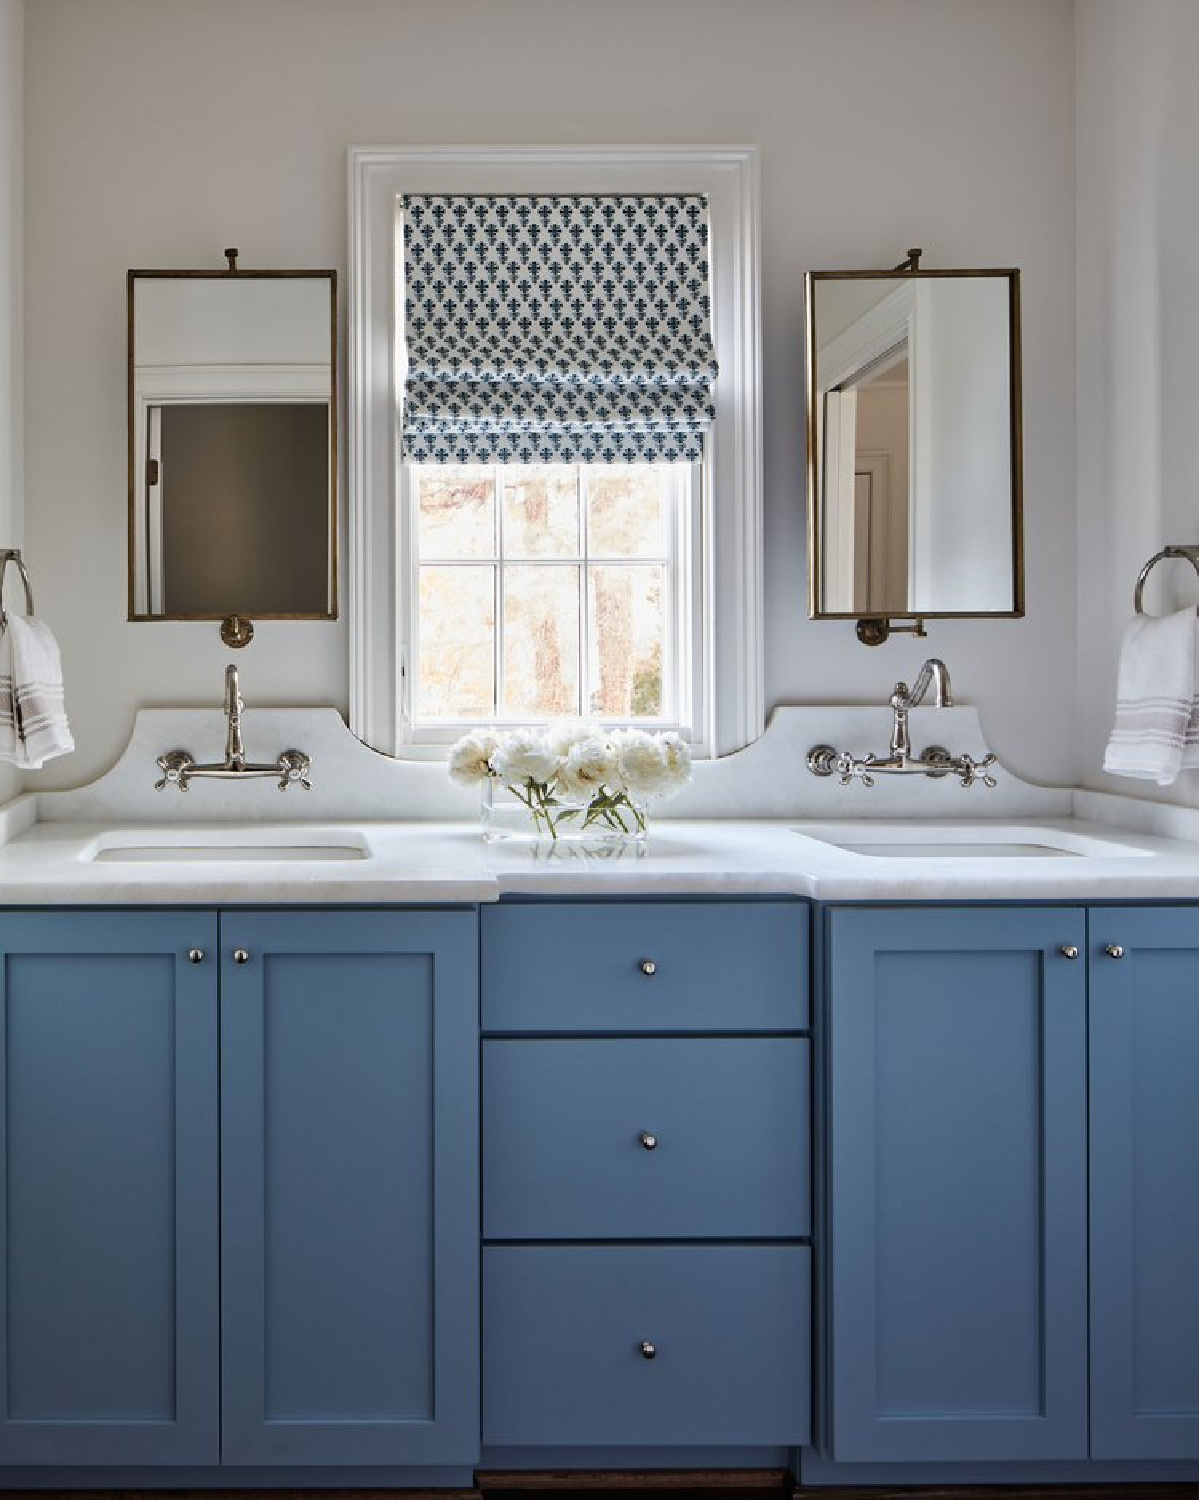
(179, 766)
(824, 760)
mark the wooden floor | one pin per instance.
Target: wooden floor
(651, 1487)
(728, 1486)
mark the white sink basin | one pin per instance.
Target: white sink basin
(968, 841)
(226, 845)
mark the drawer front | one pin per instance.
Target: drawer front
(563, 1330)
(646, 1138)
(646, 967)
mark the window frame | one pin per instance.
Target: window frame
(727, 649)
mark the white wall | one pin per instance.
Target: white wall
(1138, 337)
(11, 94)
(159, 131)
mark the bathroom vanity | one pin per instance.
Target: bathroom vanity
(362, 1153)
(242, 1188)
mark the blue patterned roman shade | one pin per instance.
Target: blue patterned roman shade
(556, 329)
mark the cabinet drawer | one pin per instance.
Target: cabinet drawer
(566, 1126)
(564, 1325)
(646, 967)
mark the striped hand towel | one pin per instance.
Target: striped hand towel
(1156, 733)
(33, 720)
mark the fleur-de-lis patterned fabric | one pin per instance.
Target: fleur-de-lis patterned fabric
(556, 329)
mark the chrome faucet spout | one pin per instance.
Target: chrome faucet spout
(934, 672)
(235, 752)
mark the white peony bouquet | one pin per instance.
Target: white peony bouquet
(577, 776)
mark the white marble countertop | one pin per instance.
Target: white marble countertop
(732, 831)
(426, 863)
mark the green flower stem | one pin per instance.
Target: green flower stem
(614, 809)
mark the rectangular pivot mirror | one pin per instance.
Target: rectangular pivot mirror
(232, 445)
(914, 486)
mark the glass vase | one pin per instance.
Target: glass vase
(535, 815)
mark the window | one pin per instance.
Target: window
(593, 583)
(548, 590)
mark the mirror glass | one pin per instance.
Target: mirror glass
(914, 443)
(232, 445)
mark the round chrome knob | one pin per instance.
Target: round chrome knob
(647, 1350)
(1114, 950)
(241, 956)
(1068, 950)
(648, 967)
(195, 955)
(650, 1142)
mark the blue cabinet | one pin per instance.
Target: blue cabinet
(109, 1189)
(315, 1300)
(1144, 1054)
(646, 1276)
(349, 1206)
(957, 1212)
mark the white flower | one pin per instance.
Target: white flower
(643, 763)
(523, 755)
(470, 758)
(566, 733)
(678, 759)
(589, 765)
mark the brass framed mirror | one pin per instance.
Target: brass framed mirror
(232, 391)
(915, 496)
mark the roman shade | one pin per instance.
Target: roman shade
(555, 329)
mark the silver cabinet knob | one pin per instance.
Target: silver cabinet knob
(1068, 950)
(648, 967)
(649, 1141)
(1114, 950)
(195, 955)
(647, 1350)
(241, 956)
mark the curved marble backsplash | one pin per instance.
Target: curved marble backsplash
(768, 779)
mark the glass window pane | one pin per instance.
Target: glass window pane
(541, 511)
(628, 638)
(455, 510)
(541, 641)
(626, 510)
(457, 643)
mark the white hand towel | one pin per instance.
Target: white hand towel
(8, 702)
(39, 713)
(1156, 732)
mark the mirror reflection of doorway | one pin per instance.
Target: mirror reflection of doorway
(868, 483)
(881, 466)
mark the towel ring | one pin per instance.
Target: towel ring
(1191, 555)
(7, 555)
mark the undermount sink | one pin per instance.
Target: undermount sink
(967, 841)
(225, 845)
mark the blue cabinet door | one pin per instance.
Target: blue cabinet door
(349, 1228)
(1145, 1184)
(108, 1189)
(957, 1184)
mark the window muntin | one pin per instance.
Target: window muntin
(548, 590)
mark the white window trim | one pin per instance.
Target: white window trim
(732, 576)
